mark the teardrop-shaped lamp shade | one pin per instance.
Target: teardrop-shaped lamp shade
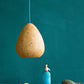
(30, 42)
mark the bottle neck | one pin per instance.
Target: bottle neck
(46, 70)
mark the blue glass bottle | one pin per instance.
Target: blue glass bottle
(46, 76)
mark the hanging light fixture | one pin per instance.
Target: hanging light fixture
(30, 42)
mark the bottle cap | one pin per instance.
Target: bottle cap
(26, 83)
(46, 68)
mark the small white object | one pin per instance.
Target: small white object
(46, 68)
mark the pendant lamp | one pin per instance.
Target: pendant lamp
(30, 43)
